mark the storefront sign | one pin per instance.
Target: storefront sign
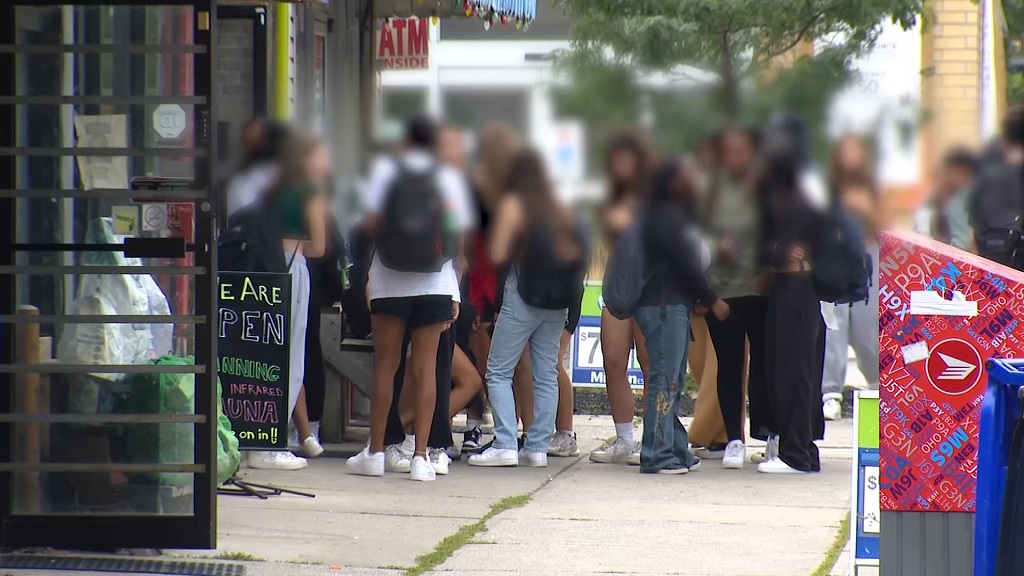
(403, 44)
(587, 365)
(865, 509)
(254, 312)
(932, 352)
(169, 121)
(102, 131)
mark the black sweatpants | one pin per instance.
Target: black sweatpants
(746, 321)
(441, 425)
(315, 376)
(794, 363)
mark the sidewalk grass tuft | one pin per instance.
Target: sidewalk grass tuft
(465, 534)
(832, 555)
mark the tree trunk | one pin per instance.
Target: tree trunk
(729, 83)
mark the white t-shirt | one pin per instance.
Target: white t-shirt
(387, 283)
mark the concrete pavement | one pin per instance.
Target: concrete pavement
(582, 519)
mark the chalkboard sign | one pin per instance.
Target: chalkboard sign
(252, 356)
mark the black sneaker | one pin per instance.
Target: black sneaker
(471, 440)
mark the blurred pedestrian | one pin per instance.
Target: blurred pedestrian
(946, 215)
(675, 285)
(997, 201)
(791, 226)
(538, 240)
(628, 165)
(731, 212)
(299, 198)
(417, 210)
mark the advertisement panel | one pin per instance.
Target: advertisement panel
(403, 44)
(587, 358)
(942, 314)
(864, 531)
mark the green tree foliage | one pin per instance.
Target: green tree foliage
(616, 42)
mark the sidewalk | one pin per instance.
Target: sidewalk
(580, 519)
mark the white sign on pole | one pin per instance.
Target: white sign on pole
(169, 120)
(567, 152)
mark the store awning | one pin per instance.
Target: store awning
(523, 9)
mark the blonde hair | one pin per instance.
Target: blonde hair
(499, 144)
(295, 158)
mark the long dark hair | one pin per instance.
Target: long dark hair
(674, 181)
(637, 145)
(529, 180)
(778, 186)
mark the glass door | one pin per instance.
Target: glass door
(108, 400)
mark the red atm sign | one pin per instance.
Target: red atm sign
(403, 44)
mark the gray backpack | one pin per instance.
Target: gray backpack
(626, 274)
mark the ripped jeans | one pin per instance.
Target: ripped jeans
(667, 332)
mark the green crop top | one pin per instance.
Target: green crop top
(291, 209)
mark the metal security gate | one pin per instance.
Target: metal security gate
(106, 266)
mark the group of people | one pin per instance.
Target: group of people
(469, 281)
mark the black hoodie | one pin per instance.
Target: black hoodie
(672, 246)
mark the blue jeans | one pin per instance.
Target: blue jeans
(517, 325)
(667, 333)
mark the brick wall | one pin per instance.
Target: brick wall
(234, 86)
(951, 82)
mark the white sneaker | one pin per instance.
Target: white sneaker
(311, 447)
(421, 470)
(706, 453)
(533, 459)
(777, 466)
(771, 451)
(735, 453)
(395, 460)
(439, 460)
(564, 444)
(366, 464)
(615, 453)
(275, 460)
(832, 409)
(695, 466)
(634, 455)
(493, 457)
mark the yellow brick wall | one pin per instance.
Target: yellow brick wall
(951, 83)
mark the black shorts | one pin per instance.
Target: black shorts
(417, 311)
(573, 319)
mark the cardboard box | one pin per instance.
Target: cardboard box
(932, 368)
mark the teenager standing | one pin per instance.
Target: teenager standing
(416, 210)
(731, 212)
(536, 239)
(676, 284)
(790, 227)
(628, 165)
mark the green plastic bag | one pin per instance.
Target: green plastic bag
(174, 443)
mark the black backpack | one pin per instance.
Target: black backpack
(412, 235)
(252, 241)
(842, 266)
(626, 274)
(545, 280)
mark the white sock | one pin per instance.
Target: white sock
(625, 432)
(410, 440)
(314, 428)
(472, 423)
